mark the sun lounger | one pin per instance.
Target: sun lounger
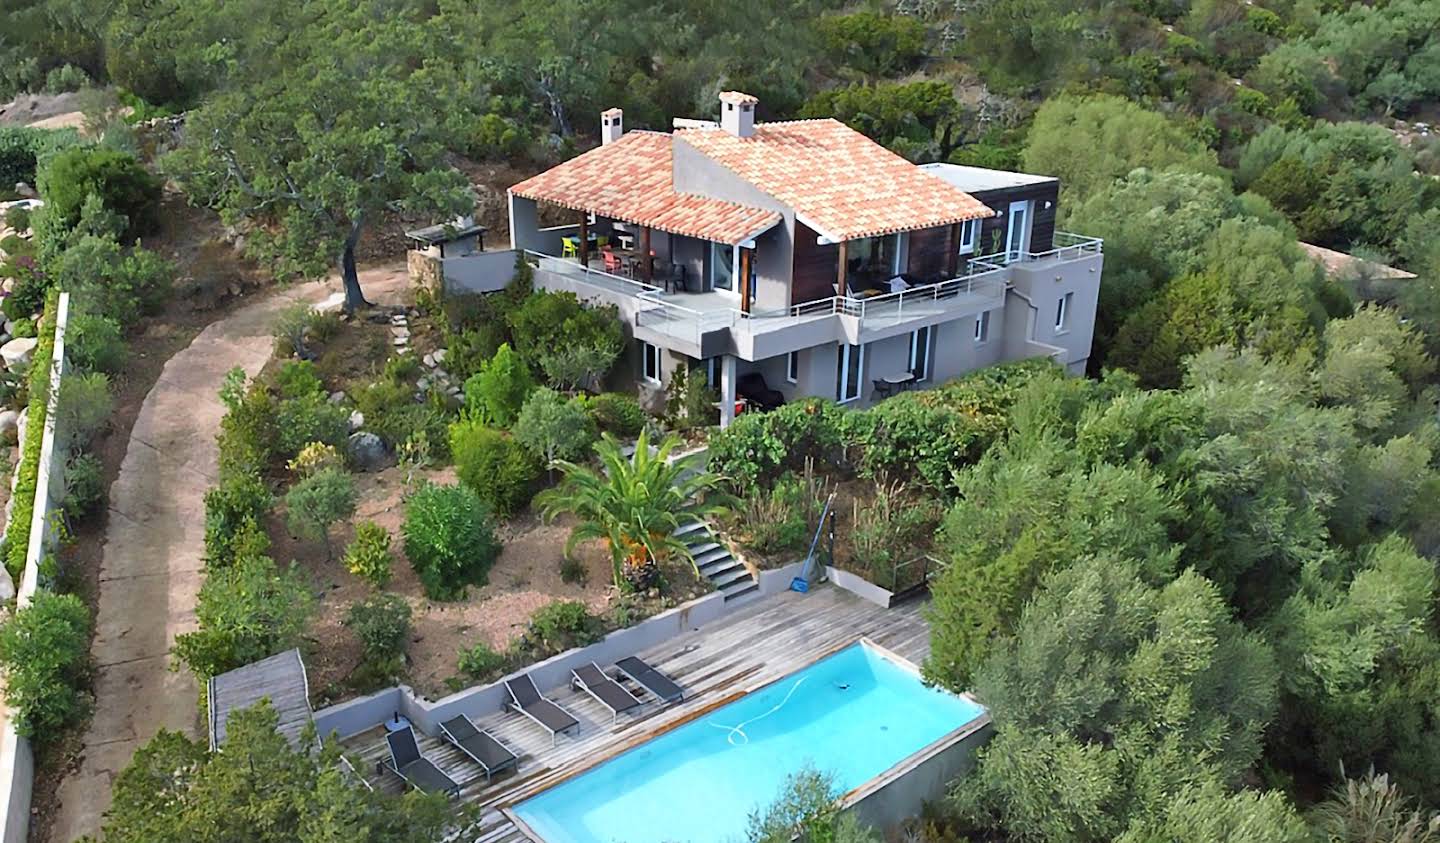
(482, 747)
(417, 770)
(526, 699)
(606, 691)
(650, 679)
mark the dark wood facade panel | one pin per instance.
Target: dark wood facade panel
(816, 267)
(929, 251)
(1042, 230)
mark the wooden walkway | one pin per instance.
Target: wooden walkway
(759, 644)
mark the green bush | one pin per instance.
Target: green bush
(481, 662)
(758, 447)
(24, 328)
(65, 78)
(309, 418)
(85, 405)
(318, 501)
(95, 343)
(27, 293)
(562, 624)
(17, 218)
(617, 413)
(777, 520)
(17, 532)
(248, 433)
(497, 467)
(23, 147)
(238, 500)
(247, 611)
(546, 321)
(554, 427)
(45, 650)
(84, 484)
(122, 183)
(298, 379)
(120, 283)
(382, 623)
(496, 393)
(467, 349)
(450, 539)
(369, 556)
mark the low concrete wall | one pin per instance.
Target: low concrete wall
(859, 586)
(482, 272)
(901, 793)
(17, 759)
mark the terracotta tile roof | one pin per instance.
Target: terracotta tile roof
(629, 179)
(839, 182)
(738, 98)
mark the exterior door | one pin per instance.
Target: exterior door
(724, 272)
(1017, 234)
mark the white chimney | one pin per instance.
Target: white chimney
(737, 113)
(612, 125)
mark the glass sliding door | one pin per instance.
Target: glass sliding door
(1017, 234)
(849, 372)
(722, 268)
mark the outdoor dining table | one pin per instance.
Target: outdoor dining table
(902, 381)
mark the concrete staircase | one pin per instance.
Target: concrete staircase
(713, 559)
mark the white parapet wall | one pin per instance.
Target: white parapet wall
(17, 759)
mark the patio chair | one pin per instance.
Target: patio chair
(526, 699)
(613, 264)
(652, 680)
(883, 388)
(569, 247)
(483, 748)
(606, 691)
(752, 387)
(414, 768)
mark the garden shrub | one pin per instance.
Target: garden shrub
(498, 391)
(309, 418)
(28, 289)
(467, 349)
(125, 187)
(95, 343)
(562, 624)
(616, 412)
(298, 379)
(545, 321)
(915, 434)
(317, 501)
(84, 484)
(368, 556)
(246, 611)
(24, 328)
(22, 148)
(450, 539)
(481, 662)
(777, 520)
(17, 531)
(45, 650)
(382, 623)
(17, 218)
(248, 433)
(238, 500)
(758, 447)
(554, 427)
(84, 405)
(497, 467)
(315, 457)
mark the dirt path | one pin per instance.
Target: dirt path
(154, 542)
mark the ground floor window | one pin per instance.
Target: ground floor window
(982, 327)
(849, 372)
(649, 362)
(792, 367)
(922, 343)
(1062, 311)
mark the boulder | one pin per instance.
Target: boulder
(337, 397)
(439, 355)
(368, 452)
(429, 359)
(25, 191)
(17, 352)
(7, 586)
(332, 304)
(9, 426)
(357, 421)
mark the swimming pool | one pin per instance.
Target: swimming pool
(854, 714)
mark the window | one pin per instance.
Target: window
(875, 256)
(1062, 311)
(849, 372)
(649, 362)
(982, 327)
(792, 367)
(711, 367)
(969, 232)
(722, 267)
(921, 344)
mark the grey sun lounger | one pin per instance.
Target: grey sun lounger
(483, 748)
(526, 699)
(606, 691)
(418, 771)
(650, 679)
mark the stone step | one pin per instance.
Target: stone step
(739, 588)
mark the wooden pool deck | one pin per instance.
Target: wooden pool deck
(757, 645)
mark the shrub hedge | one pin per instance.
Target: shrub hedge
(17, 535)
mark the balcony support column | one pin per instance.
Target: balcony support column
(840, 288)
(727, 389)
(952, 254)
(647, 258)
(584, 239)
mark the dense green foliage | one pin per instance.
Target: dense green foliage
(496, 393)
(449, 539)
(176, 789)
(17, 530)
(382, 623)
(45, 651)
(554, 427)
(368, 556)
(318, 501)
(494, 464)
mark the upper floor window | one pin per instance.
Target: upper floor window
(969, 234)
(1062, 311)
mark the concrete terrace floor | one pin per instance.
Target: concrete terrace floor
(771, 638)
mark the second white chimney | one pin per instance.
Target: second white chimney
(612, 125)
(737, 113)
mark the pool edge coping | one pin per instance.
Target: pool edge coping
(846, 800)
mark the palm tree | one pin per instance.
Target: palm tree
(635, 505)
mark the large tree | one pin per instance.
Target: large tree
(354, 120)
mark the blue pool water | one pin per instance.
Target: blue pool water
(854, 714)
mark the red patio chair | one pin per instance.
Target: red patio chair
(613, 264)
